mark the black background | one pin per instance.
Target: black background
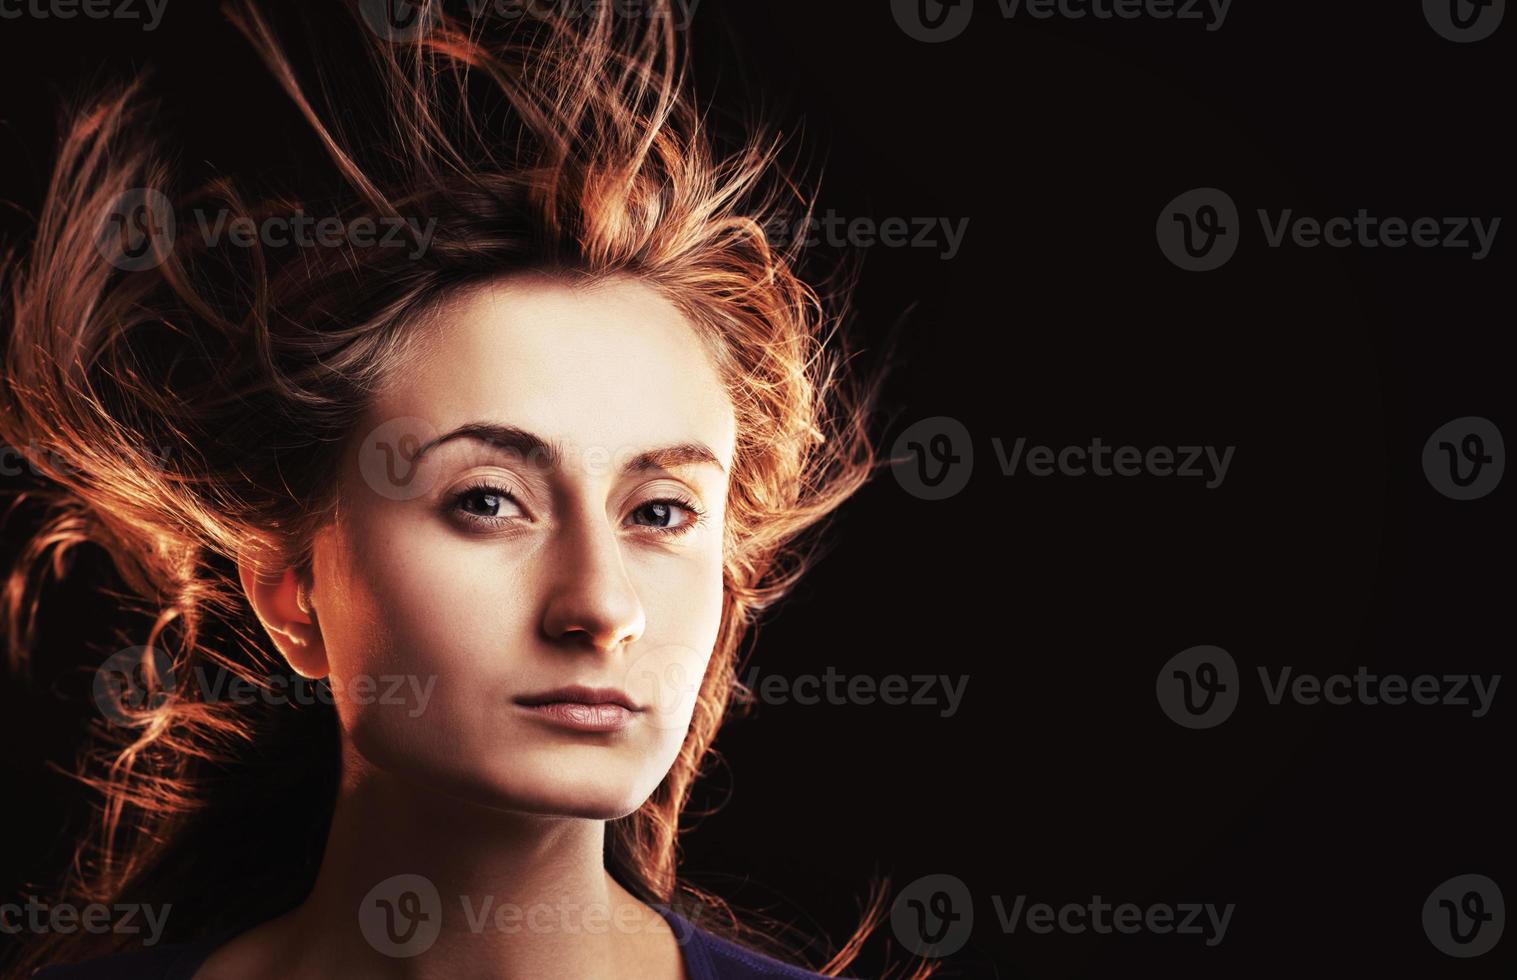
(1061, 597)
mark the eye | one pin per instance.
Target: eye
(662, 516)
(486, 504)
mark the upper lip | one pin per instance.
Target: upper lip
(580, 694)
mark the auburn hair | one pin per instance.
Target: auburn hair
(184, 403)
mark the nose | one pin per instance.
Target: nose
(591, 603)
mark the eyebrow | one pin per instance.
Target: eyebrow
(517, 440)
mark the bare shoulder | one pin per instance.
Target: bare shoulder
(257, 952)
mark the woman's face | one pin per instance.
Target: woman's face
(536, 503)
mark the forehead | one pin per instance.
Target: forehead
(610, 365)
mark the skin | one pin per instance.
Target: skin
(572, 582)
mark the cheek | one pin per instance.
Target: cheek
(666, 667)
(422, 598)
(416, 603)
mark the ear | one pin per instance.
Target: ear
(288, 613)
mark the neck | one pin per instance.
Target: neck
(518, 894)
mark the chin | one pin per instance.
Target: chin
(564, 790)
(591, 782)
(565, 798)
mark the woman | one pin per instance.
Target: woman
(504, 442)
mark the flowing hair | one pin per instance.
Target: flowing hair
(185, 404)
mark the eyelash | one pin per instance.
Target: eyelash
(697, 518)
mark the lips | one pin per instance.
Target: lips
(580, 695)
(578, 708)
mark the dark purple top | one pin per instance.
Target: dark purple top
(707, 957)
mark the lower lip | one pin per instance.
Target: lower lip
(584, 717)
